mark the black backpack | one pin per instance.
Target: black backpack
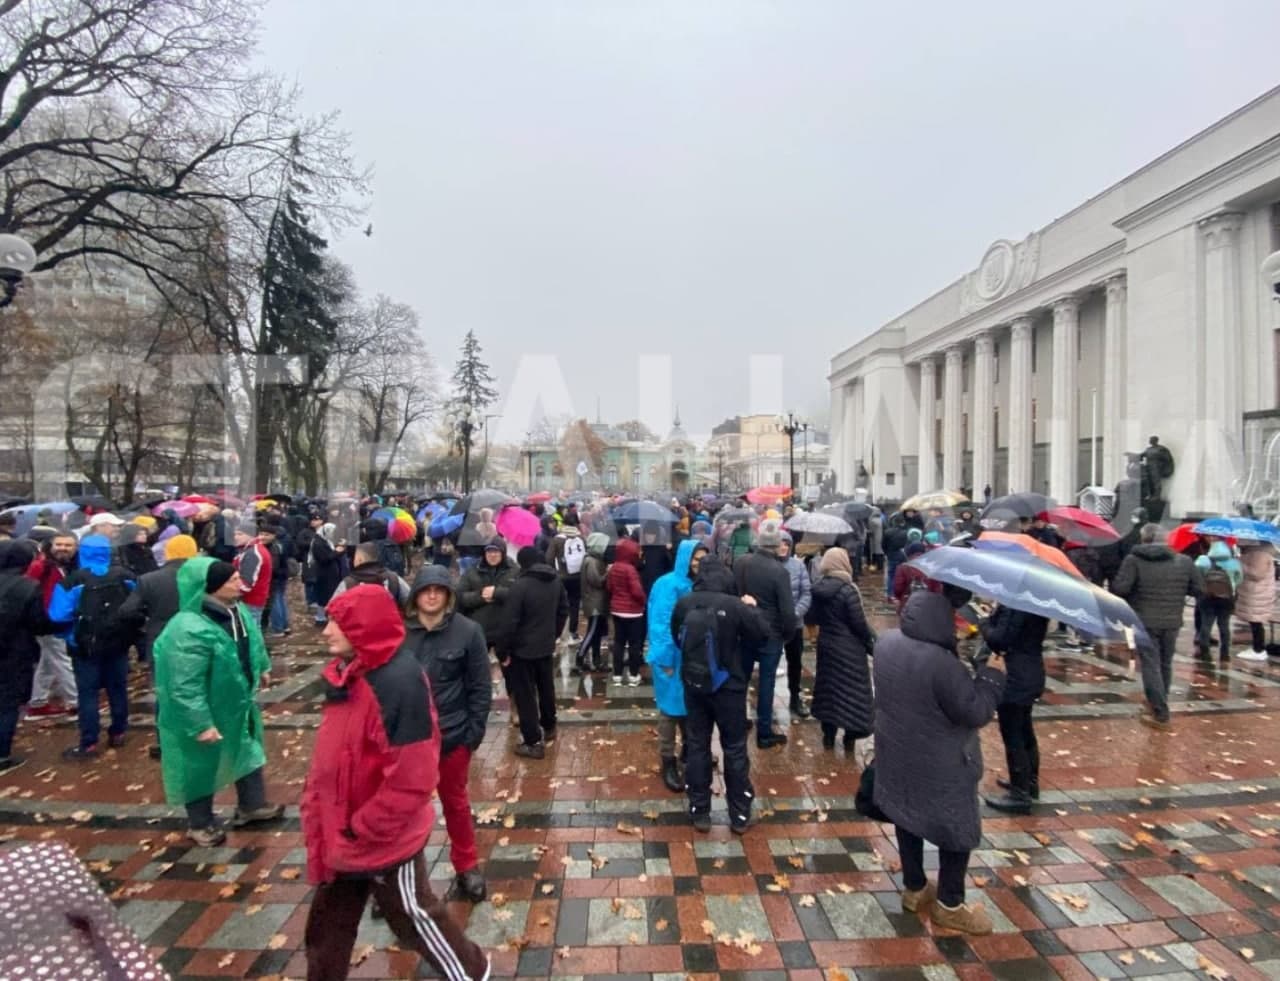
(97, 628)
(700, 668)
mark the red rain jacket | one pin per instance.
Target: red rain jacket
(626, 592)
(367, 803)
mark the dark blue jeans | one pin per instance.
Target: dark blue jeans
(109, 671)
(8, 726)
(767, 657)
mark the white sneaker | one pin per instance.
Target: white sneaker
(617, 679)
(633, 681)
(1250, 655)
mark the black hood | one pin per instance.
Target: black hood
(16, 555)
(929, 617)
(541, 571)
(1152, 553)
(713, 577)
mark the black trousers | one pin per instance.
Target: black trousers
(1021, 749)
(1258, 634)
(952, 867)
(534, 689)
(628, 644)
(573, 589)
(589, 649)
(418, 918)
(794, 650)
(725, 710)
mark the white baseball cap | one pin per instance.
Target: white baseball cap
(106, 518)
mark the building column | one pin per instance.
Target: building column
(1064, 446)
(983, 410)
(1018, 411)
(853, 436)
(1115, 404)
(838, 436)
(1219, 418)
(928, 452)
(953, 418)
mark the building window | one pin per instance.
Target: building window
(1035, 351)
(995, 425)
(995, 364)
(889, 479)
(635, 478)
(777, 476)
(611, 476)
(540, 471)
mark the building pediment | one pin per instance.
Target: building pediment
(1006, 268)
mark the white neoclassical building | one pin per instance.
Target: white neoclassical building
(1141, 312)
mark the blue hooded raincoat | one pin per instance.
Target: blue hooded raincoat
(663, 654)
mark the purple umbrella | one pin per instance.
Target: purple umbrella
(183, 509)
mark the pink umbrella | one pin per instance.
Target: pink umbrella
(183, 509)
(518, 526)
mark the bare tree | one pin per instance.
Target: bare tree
(397, 382)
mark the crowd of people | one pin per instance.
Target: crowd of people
(702, 601)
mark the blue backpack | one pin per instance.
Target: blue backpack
(699, 668)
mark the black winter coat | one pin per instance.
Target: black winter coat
(456, 659)
(1156, 581)
(22, 618)
(655, 563)
(153, 602)
(762, 576)
(741, 628)
(929, 708)
(471, 599)
(842, 683)
(325, 568)
(537, 609)
(1020, 638)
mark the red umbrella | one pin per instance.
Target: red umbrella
(769, 494)
(1182, 538)
(1081, 527)
(541, 497)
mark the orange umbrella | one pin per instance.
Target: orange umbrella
(1045, 553)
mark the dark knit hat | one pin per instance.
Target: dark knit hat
(528, 557)
(217, 575)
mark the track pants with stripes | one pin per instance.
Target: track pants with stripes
(419, 920)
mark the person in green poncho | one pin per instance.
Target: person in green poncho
(209, 662)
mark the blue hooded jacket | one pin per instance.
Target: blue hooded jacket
(663, 654)
(95, 557)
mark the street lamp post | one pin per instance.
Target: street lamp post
(528, 448)
(488, 416)
(791, 425)
(17, 258)
(466, 426)
(719, 455)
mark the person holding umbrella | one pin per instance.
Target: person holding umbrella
(1256, 597)
(930, 707)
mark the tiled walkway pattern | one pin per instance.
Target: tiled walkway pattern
(1150, 856)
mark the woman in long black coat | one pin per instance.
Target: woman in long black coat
(842, 684)
(324, 563)
(22, 617)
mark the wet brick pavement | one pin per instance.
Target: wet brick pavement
(1151, 855)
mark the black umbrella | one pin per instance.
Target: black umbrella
(483, 498)
(639, 512)
(1010, 509)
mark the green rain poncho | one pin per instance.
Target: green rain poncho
(200, 683)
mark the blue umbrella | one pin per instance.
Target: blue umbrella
(1022, 582)
(1249, 529)
(638, 512)
(445, 525)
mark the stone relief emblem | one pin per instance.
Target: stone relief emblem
(1006, 268)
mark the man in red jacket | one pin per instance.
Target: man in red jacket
(366, 810)
(253, 563)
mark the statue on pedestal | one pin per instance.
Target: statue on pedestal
(1156, 463)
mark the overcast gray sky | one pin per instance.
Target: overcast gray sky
(597, 180)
